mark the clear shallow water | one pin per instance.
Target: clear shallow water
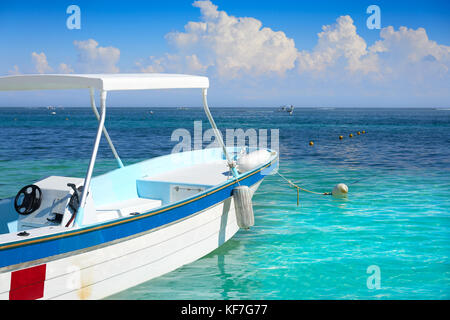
(396, 217)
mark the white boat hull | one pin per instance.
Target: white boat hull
(107, 270)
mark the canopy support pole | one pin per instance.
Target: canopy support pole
(87, 181)
(105, 132)
(218, 134)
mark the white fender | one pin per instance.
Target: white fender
(252, 160)
(242, 196)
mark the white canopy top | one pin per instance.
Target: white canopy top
(105, 82)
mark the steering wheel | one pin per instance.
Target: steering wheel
(28, 199)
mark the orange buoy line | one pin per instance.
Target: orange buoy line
(311, 143)
(351, 134)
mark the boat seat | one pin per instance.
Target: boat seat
(125, 208)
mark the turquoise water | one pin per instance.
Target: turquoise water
(397, 215)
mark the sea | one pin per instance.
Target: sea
(388, 239)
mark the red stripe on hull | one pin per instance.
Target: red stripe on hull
(28, 284)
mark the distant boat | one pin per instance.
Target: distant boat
(287, 109)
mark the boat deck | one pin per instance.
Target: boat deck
(150, 191)
(209, 174)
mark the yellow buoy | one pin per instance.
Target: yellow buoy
(341, 137)
(351, 135)
(311, 143)
(359, 133)
(363, 131)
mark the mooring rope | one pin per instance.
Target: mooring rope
(300, 188)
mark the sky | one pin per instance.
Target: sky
(256, 53)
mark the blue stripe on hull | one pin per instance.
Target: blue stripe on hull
(110, 231)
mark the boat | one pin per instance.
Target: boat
(287, 109)
(93, 236)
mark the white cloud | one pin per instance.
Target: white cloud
(42, 66)
(410, 52)
(15, 70)
(96, 59)
(172, 63)
(338, 43)
(341, 66)
(410, 44)
(404, 63)
(407, 54)
(401, 63)
(64, 68)
(40, 62)
(228, 46)
(91, 59)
